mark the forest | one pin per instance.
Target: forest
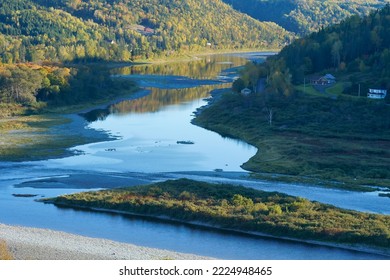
(305, 16)
(358, 48)
(239, 208)
(34, 86)
(124, 30)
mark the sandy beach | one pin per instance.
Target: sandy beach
(42, 244)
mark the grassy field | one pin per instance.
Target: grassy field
(243, 209)
(339, 141)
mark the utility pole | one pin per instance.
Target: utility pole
(359, 90)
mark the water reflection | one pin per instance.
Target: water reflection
(204, 67)
(174, 83)
(157, 99)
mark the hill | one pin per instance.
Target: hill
(335, 133)
(122, 30)
(304, 16)
(357, 48)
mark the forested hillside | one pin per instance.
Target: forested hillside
(304, 16)
(357, 50)
(357, 47)
(121, 30)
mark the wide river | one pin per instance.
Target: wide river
(154, 140)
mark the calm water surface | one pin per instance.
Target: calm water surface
(146, 149)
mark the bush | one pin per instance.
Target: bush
(378, 173)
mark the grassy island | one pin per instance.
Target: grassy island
(242, 209)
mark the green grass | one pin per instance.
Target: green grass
(337, 88)
(343, 141)
(308, 89)
(239, 208)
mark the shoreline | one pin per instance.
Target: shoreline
(358, 248)
(28, 243)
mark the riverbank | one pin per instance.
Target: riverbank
(40, 137)
(313, 146)
(26, 243)
(50, 134)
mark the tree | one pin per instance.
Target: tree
(20, 84)
(336, 49)
(251, 75)
(269, 114)
(245, 202)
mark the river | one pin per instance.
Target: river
(154, 140)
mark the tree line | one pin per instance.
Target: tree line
(36, 86)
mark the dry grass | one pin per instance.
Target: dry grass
(5, 254)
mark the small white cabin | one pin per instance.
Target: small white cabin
(376, 93)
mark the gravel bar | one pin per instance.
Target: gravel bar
(43, 244)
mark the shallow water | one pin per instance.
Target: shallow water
(152, 142)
